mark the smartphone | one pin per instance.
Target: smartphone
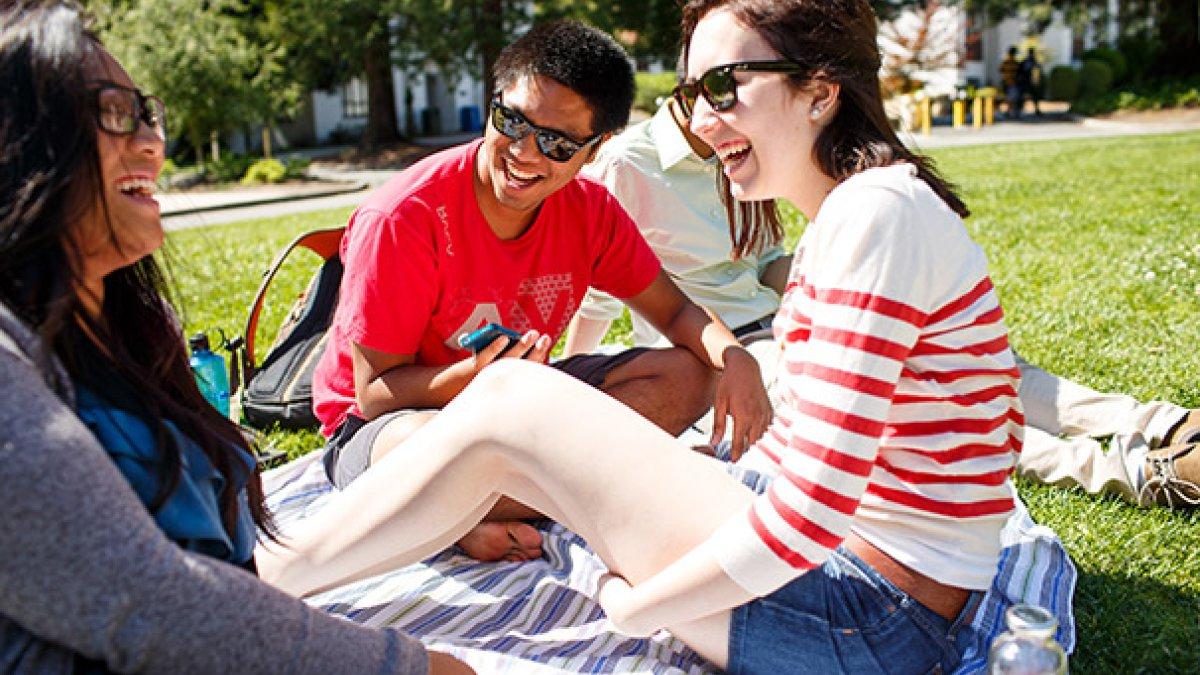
(478, 339)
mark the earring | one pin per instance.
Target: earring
(814, 113)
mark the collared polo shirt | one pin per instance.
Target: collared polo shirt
(671, 194)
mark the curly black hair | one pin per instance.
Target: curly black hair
(580, 57)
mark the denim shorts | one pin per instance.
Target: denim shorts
(842, 617)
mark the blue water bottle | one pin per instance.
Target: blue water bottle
(211, 376)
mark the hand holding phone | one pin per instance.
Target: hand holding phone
(478, 339)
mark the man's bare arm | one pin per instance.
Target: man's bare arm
(775, 274)
(384, 382)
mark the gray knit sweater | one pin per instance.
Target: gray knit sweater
(84, 571)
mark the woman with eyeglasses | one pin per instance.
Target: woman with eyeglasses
(858, 534)
(129, 507)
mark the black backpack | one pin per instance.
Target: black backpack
(280, 390)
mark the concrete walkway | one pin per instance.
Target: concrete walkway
(1053, 129)
(337, 188)
(194, 209)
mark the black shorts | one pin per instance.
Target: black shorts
(348, 450)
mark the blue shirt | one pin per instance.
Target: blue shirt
(191, 514)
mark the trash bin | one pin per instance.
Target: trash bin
(468, 119)
(431, 121)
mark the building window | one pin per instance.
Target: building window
(354, 98)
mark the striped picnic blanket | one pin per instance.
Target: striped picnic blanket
(539, 616)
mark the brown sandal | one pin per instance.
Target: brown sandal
(1172, 477)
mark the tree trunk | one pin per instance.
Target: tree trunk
(490, 30)
(1177, 28)
(381, 98)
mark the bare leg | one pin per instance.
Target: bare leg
(502, 535)
(669, 387)
(641, 499)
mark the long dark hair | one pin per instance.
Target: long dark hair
(835, 41)
(49, 178)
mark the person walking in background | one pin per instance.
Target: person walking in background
(1029, 81)
(1008, 80)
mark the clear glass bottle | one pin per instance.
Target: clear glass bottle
(1028, 646)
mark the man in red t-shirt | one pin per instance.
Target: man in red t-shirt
(503, 230)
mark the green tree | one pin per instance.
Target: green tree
(214, 77)
(331, 41)
(649, 29)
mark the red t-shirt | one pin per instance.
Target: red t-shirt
(423, 267)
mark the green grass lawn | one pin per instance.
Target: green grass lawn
(1095, 248)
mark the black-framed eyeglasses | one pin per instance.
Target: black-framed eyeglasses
(719, 87)
(554, 145)
(119, 109)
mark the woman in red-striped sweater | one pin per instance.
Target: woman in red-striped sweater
(882, 479)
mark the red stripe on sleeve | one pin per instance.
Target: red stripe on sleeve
(842, 378)
(993, 346)
(841, 418)
(992, 316)
(959, 304)
(831, 498)
(778, 547)
(862, 342)
(868, 302)
(802, 525)
(830, 457)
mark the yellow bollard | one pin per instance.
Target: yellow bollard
(989, 110)
(926, 114)
(977, 112)
(960, 109)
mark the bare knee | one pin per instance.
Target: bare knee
(670, 387)
(689, 381)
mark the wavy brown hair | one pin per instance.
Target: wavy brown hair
(49, 177)
(833, 41)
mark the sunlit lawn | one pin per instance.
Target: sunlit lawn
(1095, 247)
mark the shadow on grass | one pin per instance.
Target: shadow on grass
(1135, 625)
(1137, 601)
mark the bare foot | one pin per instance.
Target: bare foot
(510, 540)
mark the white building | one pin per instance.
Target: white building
(945, 47)
(436, 105)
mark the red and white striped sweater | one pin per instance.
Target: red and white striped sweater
(900, 417)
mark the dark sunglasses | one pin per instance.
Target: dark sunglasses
(555, 146)
(719, 87)
(119, 110)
